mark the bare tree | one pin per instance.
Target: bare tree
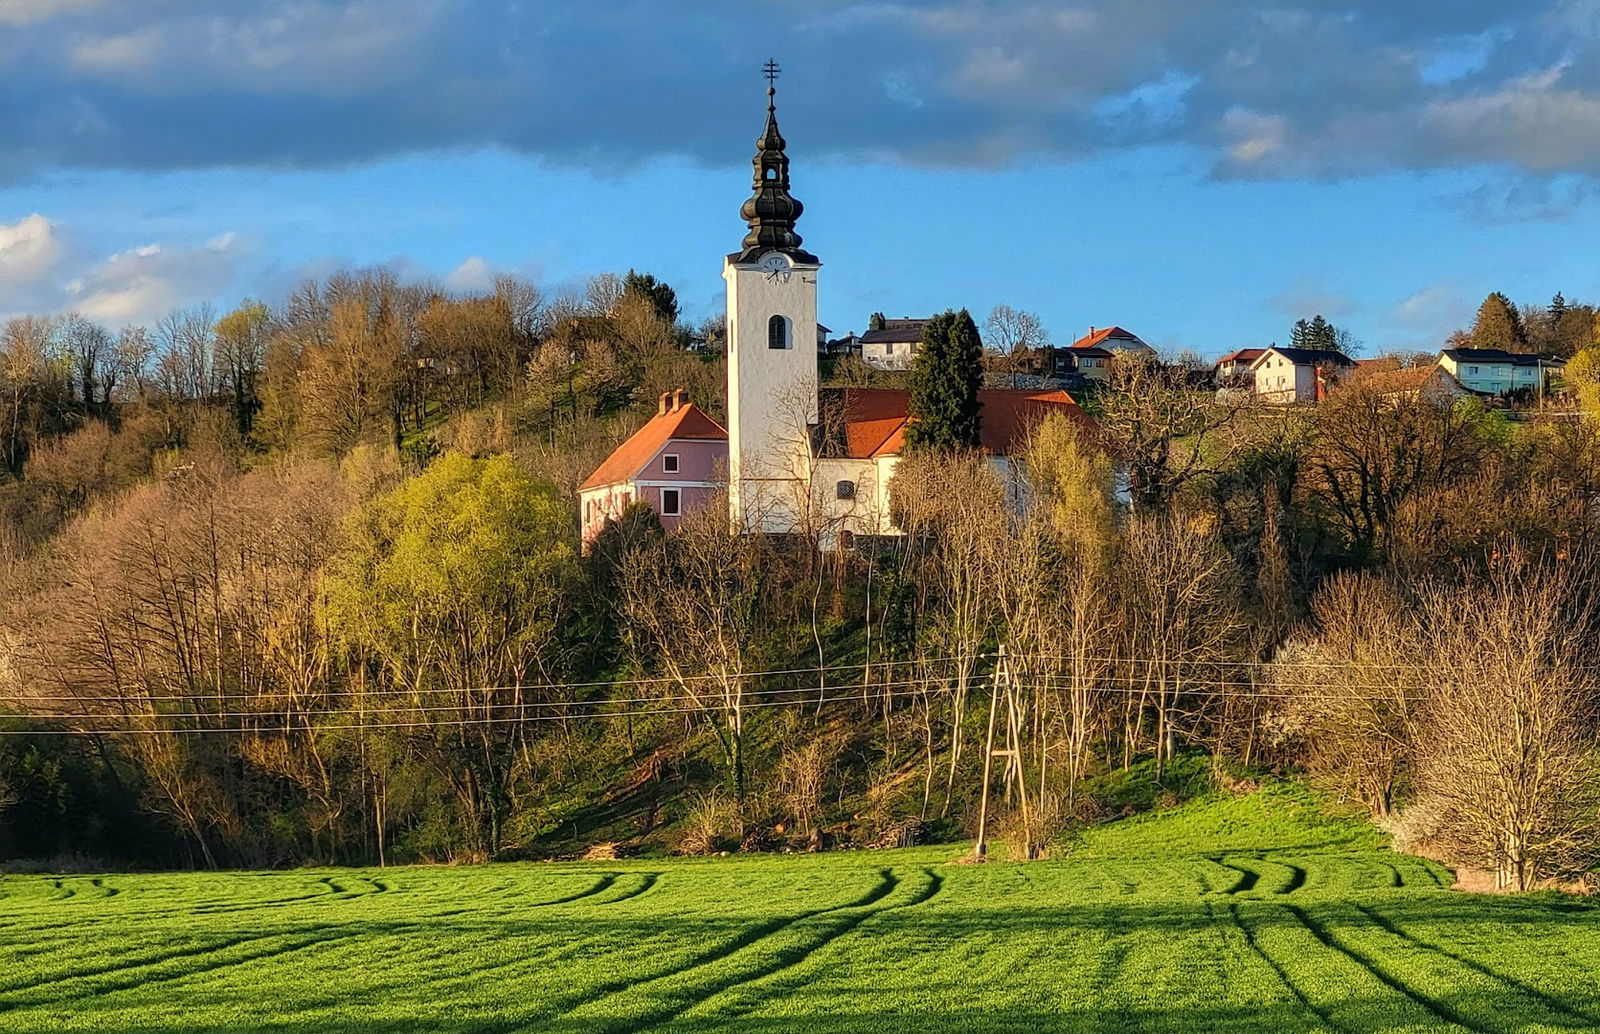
(1343, 696)
(603, 293)
(1163, 432)
(1507, 755)
(693, 604)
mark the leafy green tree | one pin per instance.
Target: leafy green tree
(945, 377)
(450, 591)
(663, 299)
(1499, 325)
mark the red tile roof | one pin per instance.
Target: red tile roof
(875, 419)
(1101, 336)
(688, 421)
(1242, 355)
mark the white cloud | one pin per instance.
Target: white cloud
(24, 12)
(29, 251)
(140, 284)
(473, 275)
(1256, 137)
(1549, 127)
(1424, 319)
(304, 46)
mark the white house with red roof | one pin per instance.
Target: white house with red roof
(1283, 376)
(1234, 369)
(794, 459)
(1095, 352)
(676, 462)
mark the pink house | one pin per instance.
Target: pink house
(676, 463)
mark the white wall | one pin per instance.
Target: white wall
(772, 396)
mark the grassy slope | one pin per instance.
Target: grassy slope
(1253, 913)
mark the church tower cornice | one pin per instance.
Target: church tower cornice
(771, 211)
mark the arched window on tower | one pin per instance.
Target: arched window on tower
(777, 332)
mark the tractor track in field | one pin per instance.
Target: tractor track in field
(599, 886)
(1249, 878)
(333, 892)
(196, 952)
(1283, 976)
(935, 883)
(645, 886)
(1555, 1005)
(751, 936)
(1437, 1008)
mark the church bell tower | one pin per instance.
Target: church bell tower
(772, 348)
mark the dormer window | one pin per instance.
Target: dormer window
(777, 332)
(669, 463)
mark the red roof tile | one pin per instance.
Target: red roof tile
(1105, 334)
(687, 422)
(875, 419)
(1242, 355)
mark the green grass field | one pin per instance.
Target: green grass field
(1258, 913)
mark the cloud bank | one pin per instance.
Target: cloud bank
(1313, 89)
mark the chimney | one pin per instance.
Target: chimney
(661, 408)
(679, 398)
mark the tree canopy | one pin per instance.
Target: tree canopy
(945, 377)
(1499, 325)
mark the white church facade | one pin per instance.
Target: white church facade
(802, 459)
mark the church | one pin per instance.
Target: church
(796, 458)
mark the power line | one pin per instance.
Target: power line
(1021, 659)
(526, 686)
(820, 698)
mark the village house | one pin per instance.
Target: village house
(893, 345)
(1234, 369)
(1497, 373)
(1283, 376)
(794, 458)
(675, 463)
(1390, 377)
(1094, 353)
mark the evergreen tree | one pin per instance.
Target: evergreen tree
(663, 299)
(1558, 309)
(875, 321)
(1315, 333)
(1323, 335)
(1498, 325)
(945, 377)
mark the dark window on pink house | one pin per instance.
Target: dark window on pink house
(671, 504)
(669, 463)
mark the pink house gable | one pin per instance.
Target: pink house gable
(676, 463)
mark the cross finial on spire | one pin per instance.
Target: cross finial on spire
(771, 71)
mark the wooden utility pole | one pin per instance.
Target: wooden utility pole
(981, 850)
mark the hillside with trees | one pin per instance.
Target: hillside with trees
(304, 584)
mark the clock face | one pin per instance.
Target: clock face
(775, 262)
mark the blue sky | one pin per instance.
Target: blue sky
(1202, 173)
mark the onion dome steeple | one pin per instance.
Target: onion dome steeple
(771, 211)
